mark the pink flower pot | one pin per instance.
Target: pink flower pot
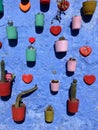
(76, 22)
(61, 45)
(71, 65)
(54, 85)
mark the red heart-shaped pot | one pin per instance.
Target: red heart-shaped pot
(89, 79)
(55, 30)
(85, 50)
(27, 78)
(63, 6)
(32, 40)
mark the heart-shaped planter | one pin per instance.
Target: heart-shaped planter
(55, 30)
(85, 51)
(89, 79)
(31, 40)
(27, 78)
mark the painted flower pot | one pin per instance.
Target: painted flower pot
(11, 32)
(76, 22)
(54, 85)
(63, 5)
(45, 1)
(49, 114)
(5, 88)
(18, 113)
(73, 106)
(1, 6)
(31, 55)
(25, 5)
(39, 20)
(89, 7)
(71, 65)
(61, 45)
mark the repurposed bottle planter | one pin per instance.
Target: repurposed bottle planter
(54, 85)
(71, 65)
(11, 31)
(61, 45)
(25, 5)
(39, 20)
(89, 7)
(76, 22)
(49, 114)
(31, 54)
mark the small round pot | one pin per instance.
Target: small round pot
(71, 65)
(45, 1)
(5, 88)
(73, 106)
(76, 22)
(31, 55)
(18, 114)
(61, 45)
(54, 85)
(39, 20)
(11, 32)
(89, 7)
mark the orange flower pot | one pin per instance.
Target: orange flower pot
(25, 7)
(5, 88)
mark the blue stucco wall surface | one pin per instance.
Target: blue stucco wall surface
(46, 64)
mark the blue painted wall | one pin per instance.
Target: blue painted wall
(46, 63)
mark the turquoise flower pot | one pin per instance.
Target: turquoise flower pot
(31, 55)
(11, 32)
(39, 20)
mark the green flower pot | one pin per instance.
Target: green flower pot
(31, 55)
(1, 6)
(39, 20)
(11, 32)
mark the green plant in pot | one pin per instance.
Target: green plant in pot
(19, 108)
(73, 102)
(89, 7)
(5, 86)
(49, 114)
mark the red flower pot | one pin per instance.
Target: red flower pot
(73, 106)
(18, 113)
(63, 6)
(5, 88)
(45, 1)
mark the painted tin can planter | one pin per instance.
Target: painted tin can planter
(71, 65)
(1, 6)
(31, 54)
(76, 22)
(39, 20)
(54, 85)
(89, 7)
(25, 5)
(49, 114)
(61, 45)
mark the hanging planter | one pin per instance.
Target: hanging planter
(49, 114)
(71, 65)
(5, 86)
(19, 108)
(63, 5)
(61, 45)
(25, 5)
(76, 22)
(73, 102)
(89, 7)
(54, 85)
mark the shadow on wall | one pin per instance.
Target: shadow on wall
(74, 32)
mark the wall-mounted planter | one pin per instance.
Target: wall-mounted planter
(76, 22)
(63, 5)
(71, 65)
(45, 1)
(61, 45)
(49, 114)
(44, 5)
(1, 6)
(31, 54)
(89, 7)
(25, 5)
(54, 85)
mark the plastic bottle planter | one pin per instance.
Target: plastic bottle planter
(39, 22)
(63, 5)
(5, 86)
(25, 5)
(71, 65)
(19, 108)
(76, 22)
(54, 85)
(89, 7)
(61, 45)
(73, 102)
(49, 114)
(1, 8)
(44, 5)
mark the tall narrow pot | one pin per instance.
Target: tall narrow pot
(71, 65)
(11, 32)
(31, 55)
(76, 22)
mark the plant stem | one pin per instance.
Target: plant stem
(19, 97)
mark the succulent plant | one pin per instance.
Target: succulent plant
(71, 58)
(55, 81)
(73, 90)
(62, 38)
